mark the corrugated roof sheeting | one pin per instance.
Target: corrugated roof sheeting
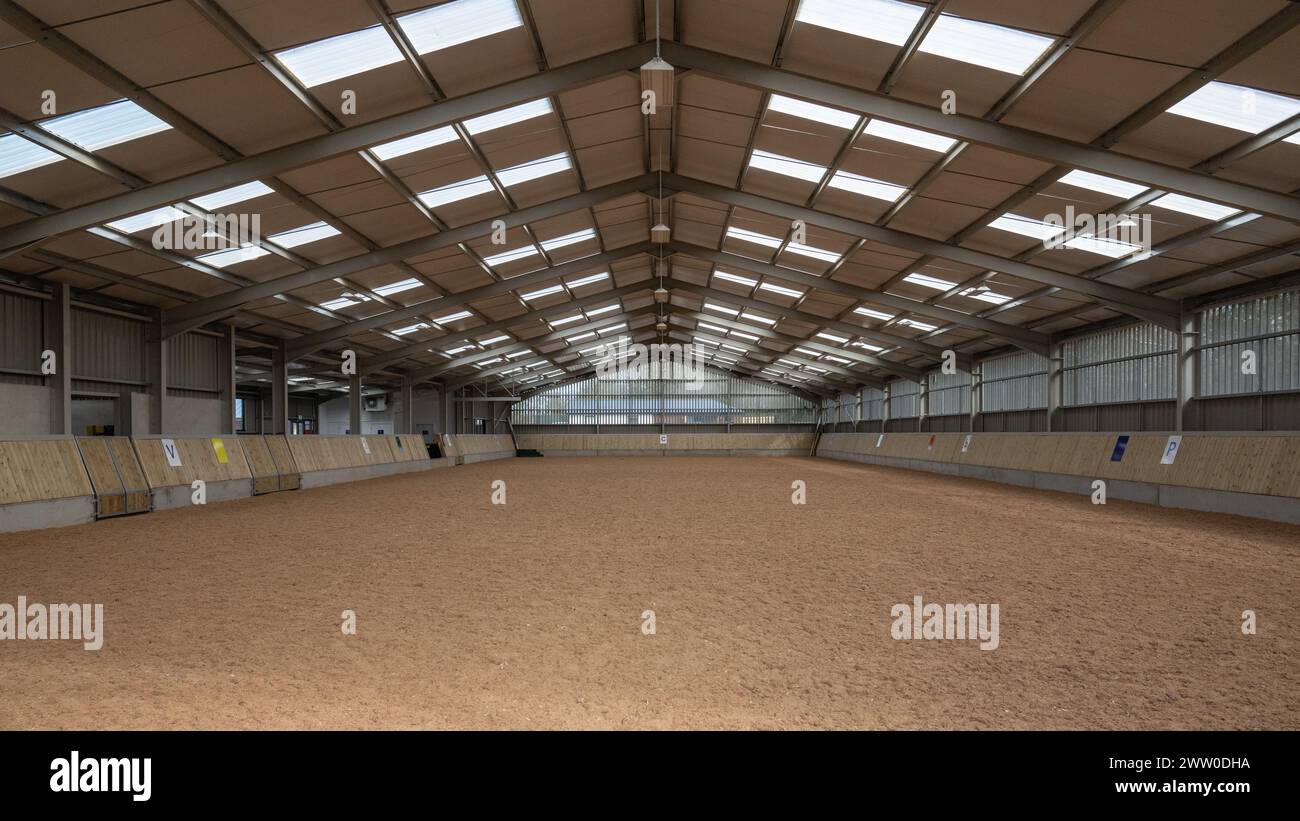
(716, 125)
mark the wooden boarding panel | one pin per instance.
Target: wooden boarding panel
(285, 465)
(1285, 479)
(1252, 465)
(381, 449)
(110, 494)
(266, 478)
(410, 447)
(199, 459)
(138, 497)
(41, 469)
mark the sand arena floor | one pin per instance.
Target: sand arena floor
(768, 614)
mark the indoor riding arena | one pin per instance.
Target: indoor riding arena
(649, 364)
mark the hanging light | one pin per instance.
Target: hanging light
(661, 294)
(660, 233)
(657, 75)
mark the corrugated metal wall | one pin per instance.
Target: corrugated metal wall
(195, 363)
(1014, 382)
(21, 329)
(1269, 328)
(949, 393)
(1134, 363)
(904, 399)
(107, 347)
(873, 404)
(722, 399)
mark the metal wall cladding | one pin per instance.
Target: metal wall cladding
(1134, 363)
(21, 327)
(873, 404)
(949, 393)
(1268, 329)
(904, 399)
(719, 399)
(1015, 382)
(195, 362)
(107, 346)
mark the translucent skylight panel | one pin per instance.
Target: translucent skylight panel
(341, 302)
(866, 186)
(149, 219)
(886, 21)
(565, 320)
(743, 335)
(301, 236)
(787, 166)
(1102, 184)
(779, 289)
(1105, 246)
(736, 278)
(588, 280)
(874, 314)
(984, 44)
(706, 326)
(494, 340)
(1237, 107)
(415, 142)
(536, 169)
(230, 196)
(838, 340)
(722, 309)
(509, 116)
(341, 56)
(456, 191)
(1194, 207)
(868, 346)
(929, 282)
(410, 329)
(1025, 227)
(234, 256)
(622, 326)
(757, 318)
(910, 136)
(813, 252)
(398, 287)
(462, 21)
(920, 326)
(538, 294)
(604, 309)
(730, 347)
(18, 154)
(514, 254)
(454, 317)
(105, 125)
(985, 295)
(812, 111)
(754, 237)
(569, 239)
(580, 337)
